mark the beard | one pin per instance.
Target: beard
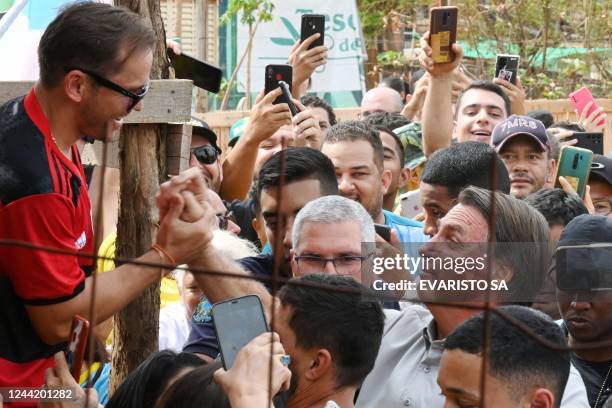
(374, 206)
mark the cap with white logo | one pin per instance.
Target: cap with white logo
(519, 125)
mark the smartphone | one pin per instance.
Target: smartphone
(506, 67)
(590, 141)
(443, 32)
(75, 352)
(237, 322)
(276, 73)
(312, 24)
(580, 98)
(411, 203)
(384, 231)
(203, 74)
(287, 97)
(575, 166)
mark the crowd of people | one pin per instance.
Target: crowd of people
(295, 212)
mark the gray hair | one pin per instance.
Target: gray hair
(226, 243)
(333, 209)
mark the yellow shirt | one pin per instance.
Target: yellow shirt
(168, 292)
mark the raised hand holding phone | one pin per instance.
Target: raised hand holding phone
(437, 70)
(306, 128)
(248, 383)
(587, 108)
(237, 322)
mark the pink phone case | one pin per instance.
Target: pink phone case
(580, 98)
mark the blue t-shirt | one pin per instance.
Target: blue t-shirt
(408, 231)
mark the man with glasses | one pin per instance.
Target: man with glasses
(600, 181)
(327, 236)
(95, 61)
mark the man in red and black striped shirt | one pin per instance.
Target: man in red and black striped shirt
(95, 61)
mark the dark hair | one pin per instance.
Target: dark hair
(394, 82)
(143, 386)
(567, 125)
(543, 116)
(197, 389)
(522, 241)
(338, 319)
(465, 164)
(558, 207)
(514, 357)
(316, 102)
(356, 130)
(386, 119)
(92, 36)
(418, 74)
(487, 86)
(300, 163)
(387, 122)
(399, 149)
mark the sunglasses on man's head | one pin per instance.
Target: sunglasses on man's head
(205, 154)
(100, 80)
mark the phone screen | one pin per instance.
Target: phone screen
(581, 98)
(237, 322)
(203, 74)
(575, 166)
(311, 24)
(590, 141)
(75, 351)
(275, 74)
(506, 67)
(442, 33)
(384, 231)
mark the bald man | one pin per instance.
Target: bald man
(381, 99)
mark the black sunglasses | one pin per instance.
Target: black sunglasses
(134, 96)
(206, 154)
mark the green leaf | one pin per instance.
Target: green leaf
(282, 41)
(291, 29)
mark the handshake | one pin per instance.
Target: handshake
(186, 217)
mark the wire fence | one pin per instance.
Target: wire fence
(275, 280)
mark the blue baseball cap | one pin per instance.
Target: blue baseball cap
(237, 130)
(519, 125)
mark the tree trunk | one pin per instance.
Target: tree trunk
(546, 24)
(141, 147)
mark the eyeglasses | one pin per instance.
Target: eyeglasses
(344, 265)
(134, 96)
(603, 207)
(224, 219)
(205, 154)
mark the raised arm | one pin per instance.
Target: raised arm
(265, 119)
(181, 240)
(437, 117)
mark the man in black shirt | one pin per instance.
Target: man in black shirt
(583, 265)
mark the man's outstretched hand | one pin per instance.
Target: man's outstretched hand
(186, 219)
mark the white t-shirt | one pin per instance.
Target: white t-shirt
(173, 327)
